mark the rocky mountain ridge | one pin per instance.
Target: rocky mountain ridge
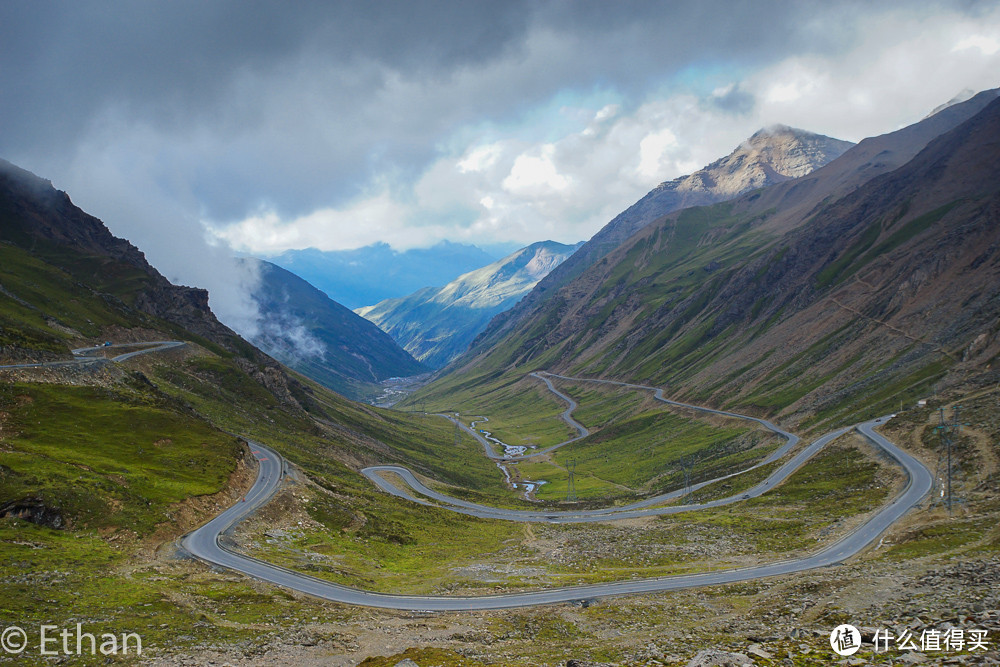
(436, 324)
(33, 211)
(891, 284)
(772, 155)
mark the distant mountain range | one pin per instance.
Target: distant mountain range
(436, 324)
(849, 289)
(308, 331)
(364, 276)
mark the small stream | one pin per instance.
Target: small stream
(396, 389)
(528, 486)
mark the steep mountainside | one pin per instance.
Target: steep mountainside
(786, 204)
(770, 156)
(35, 215)
(364, 276)
(869, 300)
(309, 332)
(66, 281)
(436, 324)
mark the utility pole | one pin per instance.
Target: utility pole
(686, 468)
(571, 482)
(456, 433)
(943, 428)
(955, 428)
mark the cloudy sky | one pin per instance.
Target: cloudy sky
(193, 128)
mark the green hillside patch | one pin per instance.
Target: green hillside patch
(102, 458)
(346, 431)
(521, 410)
(637, 447)
(955, 535)
(646, 452)
(840, 483)
(37, 295)
(836, 270)
(881, 398)
(103, 274)
(389, 545)
(864, 250)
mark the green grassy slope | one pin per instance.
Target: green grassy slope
(638, 447)
(873, 295)
(106, 457)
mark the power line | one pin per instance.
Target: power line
(686, 466)
(571, 482)
(947, 432)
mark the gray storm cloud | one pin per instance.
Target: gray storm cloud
(162, 117)
(161, 225)
(300, 105)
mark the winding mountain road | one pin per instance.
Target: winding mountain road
(583, 432)
(88, 355)
(205, 543)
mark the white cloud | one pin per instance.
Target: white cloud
(362, 222)
(119, 185)
(281, 332)
(535, 175)
(652, 148)
(606, 112)
(480, 158)
(434, 160)
(986, 45)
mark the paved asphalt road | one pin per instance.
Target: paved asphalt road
(88, 355)
(582, 432)
(206, 543)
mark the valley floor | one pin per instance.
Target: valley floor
(931, 572)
